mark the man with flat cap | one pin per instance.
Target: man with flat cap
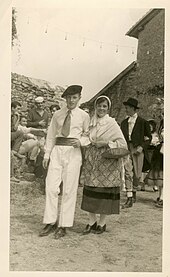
(68, 131)
(38, 117)
(137, 133)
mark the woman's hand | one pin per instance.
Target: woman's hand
(99, 144)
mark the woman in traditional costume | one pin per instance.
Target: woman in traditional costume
(102, 176)
(155, 175)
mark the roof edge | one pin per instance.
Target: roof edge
(139, 26)
(115, 80)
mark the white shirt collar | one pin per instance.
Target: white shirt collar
(133, 117)
(72, 111)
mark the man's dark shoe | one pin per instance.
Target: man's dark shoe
(159, 204)
(128, 203)
(90, 228)
(157, 200)
(60, 232)
(48, 229)
(100, 229)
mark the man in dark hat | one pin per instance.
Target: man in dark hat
(68, 131)
(137, 133)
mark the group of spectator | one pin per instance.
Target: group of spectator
(28, 134)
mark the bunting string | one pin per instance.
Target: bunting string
(84, 39)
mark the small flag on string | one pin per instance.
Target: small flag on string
(66, 36)
(46, 30)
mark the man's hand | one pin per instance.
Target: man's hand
(42, 123)
(139, 150)
(45, 163)
(17, 116)
(44, 130)
(76, 144)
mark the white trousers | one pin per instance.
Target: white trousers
(65, 162)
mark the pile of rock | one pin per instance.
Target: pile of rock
(25, 90)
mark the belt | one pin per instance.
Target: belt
(65, 141)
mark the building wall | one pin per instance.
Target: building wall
(145, 81)
(150, 55)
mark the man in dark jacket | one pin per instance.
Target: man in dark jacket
(137, 133)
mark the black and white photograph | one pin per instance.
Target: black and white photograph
(86, 185)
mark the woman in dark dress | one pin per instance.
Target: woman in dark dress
(155, 175)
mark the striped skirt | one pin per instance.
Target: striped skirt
(101, 200)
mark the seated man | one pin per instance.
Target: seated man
(16, 135)
(30, 145)
(38, 118)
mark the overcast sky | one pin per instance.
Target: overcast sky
(65, 45)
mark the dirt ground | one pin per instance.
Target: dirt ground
(132, 242)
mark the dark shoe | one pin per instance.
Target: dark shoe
(100, 229)
(134, 196)
(60, 232)
(159, 204)
(128, 203)
(141, 186)
(90, 228)
(157, 200)
(49, 228)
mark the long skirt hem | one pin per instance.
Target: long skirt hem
(101, 200)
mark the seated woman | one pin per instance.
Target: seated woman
(102, 176)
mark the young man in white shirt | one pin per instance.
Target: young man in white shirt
(68, 131)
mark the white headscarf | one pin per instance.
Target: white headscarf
(103, 96)
(95, 118)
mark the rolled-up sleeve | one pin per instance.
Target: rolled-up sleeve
(51, 136)
(84, 140)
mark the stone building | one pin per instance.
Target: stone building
(144, 78)
(25, 90)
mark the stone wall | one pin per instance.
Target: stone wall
(25, 90)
